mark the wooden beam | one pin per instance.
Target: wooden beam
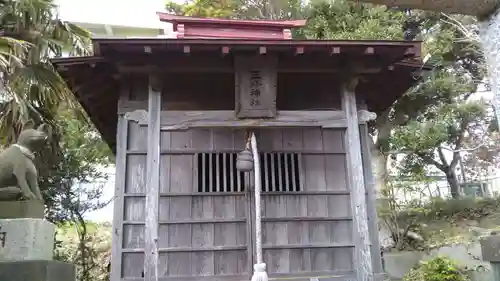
(299, 51)
(369, 51)
(197, 63)
(180, 31)
(187, 49)
(225, 50)
(129, 69)
(152, 181)
(262, 50)
(182, 120)
(356, 182)
(335, 51)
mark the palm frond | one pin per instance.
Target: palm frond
(33, 90)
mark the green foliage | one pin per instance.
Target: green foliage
(91, 254)
(350, 20)
(83, 155)
(33, 90)
(205, 8)
(451, 210)
(437, 269)
(238, 9)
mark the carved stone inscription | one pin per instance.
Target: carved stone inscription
(3, 237)
(255, 86)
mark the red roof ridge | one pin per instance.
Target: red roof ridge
(165, 17)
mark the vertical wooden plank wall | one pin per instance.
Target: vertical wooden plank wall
(309, 232)
(206, 236)
(200, 235)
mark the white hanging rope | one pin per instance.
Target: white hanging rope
(259, 268)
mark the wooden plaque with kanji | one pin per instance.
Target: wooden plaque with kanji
(255, 81)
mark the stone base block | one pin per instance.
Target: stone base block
(26, 239)
(37, 271)
(490, 248)
(22, 209)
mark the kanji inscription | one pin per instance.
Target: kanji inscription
(256, 79)
(3, 236)
(255, 88)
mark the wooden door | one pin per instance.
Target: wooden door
(220, 207)
(306, 215)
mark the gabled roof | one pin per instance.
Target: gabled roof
(95, 84)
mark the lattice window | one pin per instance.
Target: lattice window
(280, 172)
(217, 172)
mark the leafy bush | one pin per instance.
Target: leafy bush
(451, 209)
(437, 269)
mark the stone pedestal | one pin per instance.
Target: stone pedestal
(26, 239)
(490, 248)
(37, 271)
(26, 251)
(22, 209)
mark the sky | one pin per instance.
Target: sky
(119, 12)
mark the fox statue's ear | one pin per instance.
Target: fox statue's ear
(44, 128)
(28, 125)
(41, 128)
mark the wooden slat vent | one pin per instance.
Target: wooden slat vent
(280, 172)
(217, 172)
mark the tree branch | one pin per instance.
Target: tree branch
(459, 141)
(441, 156)
(430, 160)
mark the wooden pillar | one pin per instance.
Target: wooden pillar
(152, 181)
(120, 176)
(356, 183)
(371, 199)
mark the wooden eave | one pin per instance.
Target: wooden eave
(95, 80)
(409, 48)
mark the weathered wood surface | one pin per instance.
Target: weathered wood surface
(183, 120)
(255, 86)
(356, 182)
(371, 196)
(151, 255)
(120, 185)
(207, 235)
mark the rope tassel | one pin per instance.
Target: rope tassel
(259, 269)
(259, 272)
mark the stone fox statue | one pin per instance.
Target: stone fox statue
(18, 174)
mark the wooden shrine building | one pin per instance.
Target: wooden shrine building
(177, 111)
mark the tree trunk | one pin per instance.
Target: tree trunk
(381, 177)
(453, 183)
(380, 172)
